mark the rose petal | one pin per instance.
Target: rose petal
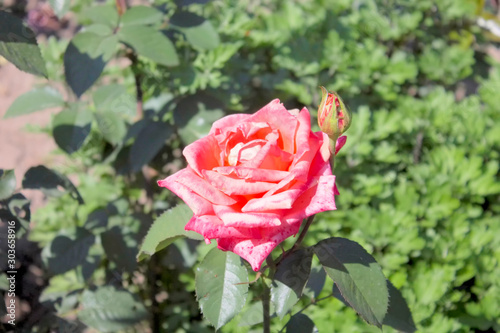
(210, 226)
(283, 200)
(316, 199)
(226, 123)
(203, 154)
(279, 118)
(340, 143)
(199, 205)
(235, 186)
(270, 156)
(241, 134)
(254, 174)
(232, 216)
(187, 177)
(321, 161)
(255, 251)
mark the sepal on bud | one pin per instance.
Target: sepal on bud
(333, 116)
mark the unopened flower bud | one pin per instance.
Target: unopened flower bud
(333, 116)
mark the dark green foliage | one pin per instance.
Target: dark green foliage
(19, 46)
(289, 280)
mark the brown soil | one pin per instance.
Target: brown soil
(21, 149)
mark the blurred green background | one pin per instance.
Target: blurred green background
(418, 178)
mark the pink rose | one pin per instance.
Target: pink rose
(253, 179)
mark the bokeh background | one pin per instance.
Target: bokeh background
(418, 178)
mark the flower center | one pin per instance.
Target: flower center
(243, 152)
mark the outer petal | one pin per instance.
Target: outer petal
(233, 217)
(255, 251)
(199, 205)
(318, 198)
(210, 226)
(320, 165)
(226, 123)
(203, 154)
(202, 187)
(340, 143)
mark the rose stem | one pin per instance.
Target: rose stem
(303, 233)
(332, 154)
(266, 307)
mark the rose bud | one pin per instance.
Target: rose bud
(333, 116)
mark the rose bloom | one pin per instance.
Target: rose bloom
(253, 179)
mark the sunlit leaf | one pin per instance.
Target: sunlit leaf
(141, 15)
(156, 46)
(221, 286)
(166, 229)
(35, 100)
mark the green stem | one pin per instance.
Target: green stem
(266, 307)
(332, 154)
(303, 233)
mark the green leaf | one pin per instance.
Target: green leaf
(35, 100)
(204, 36)
(68, 250)
(105, 14)
(111, 125)
(19, 46)
(254, 314)
(156, 46)
(108, 309)
(7, 183)
(84, 60)
(166, 229)
(70, 128)
(117, 249)
(221, 286)
(141, 15)
(357, 275)
(50, 182)
(194, 116)
(398, 315)
(99, 29)
(114, 97)
(105, 95)
(289, 280)
(300, 323)
(60, 7)
(148, 143)
(316, 282)
(199, 32)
